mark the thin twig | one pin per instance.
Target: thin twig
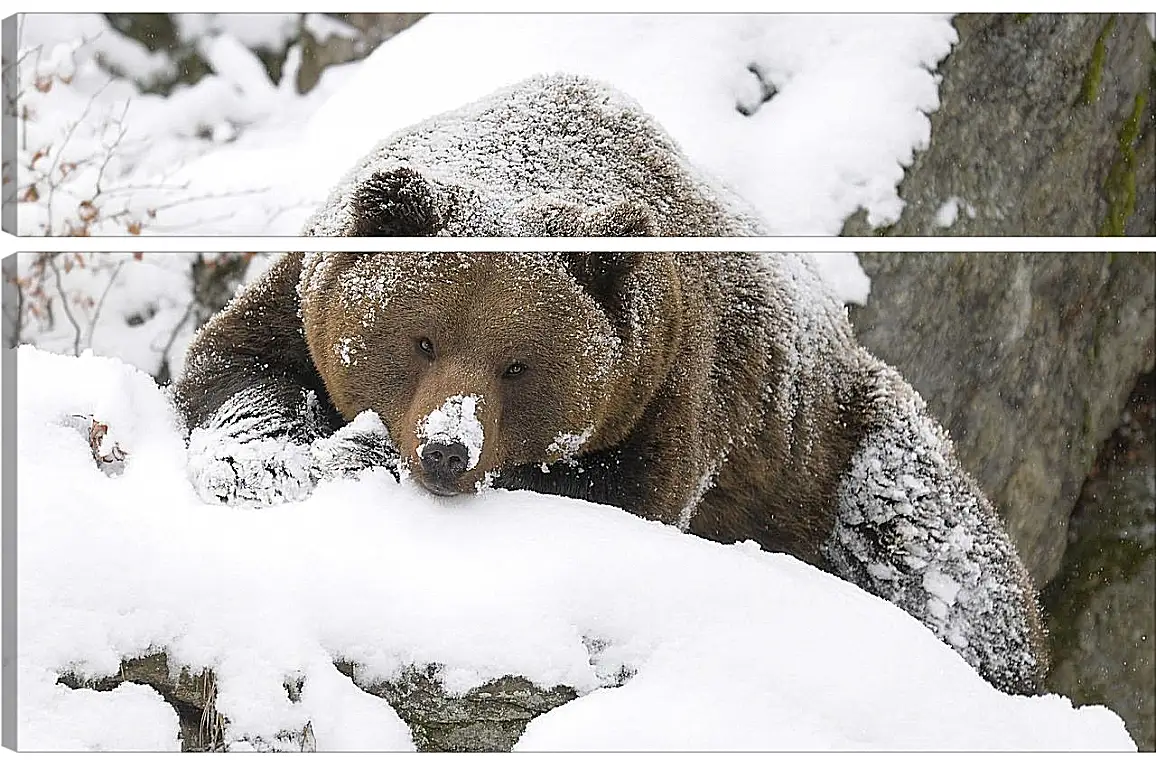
(18, 320)
(100, 304)
(64, 303)
(60, 152)
(110, 150)
(168, 347)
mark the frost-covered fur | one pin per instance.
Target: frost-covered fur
(724, 394)
(247, 455)
(537, 158)
(915, 529)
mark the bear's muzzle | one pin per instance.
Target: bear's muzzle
(442, 465)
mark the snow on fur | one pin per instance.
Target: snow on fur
(730, 647)
(509, 163)
(250, 454)
(454, 421)
(851, 94)
(567, 444)
(913, 528)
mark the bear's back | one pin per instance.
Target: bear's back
(547, 140)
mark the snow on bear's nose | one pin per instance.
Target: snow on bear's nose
(452, 424)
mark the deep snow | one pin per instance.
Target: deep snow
(730, 647)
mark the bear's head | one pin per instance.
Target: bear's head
(482, 362)
(405, 201)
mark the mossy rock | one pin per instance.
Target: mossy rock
(1042, 130)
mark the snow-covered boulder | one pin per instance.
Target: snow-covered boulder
(719, 647)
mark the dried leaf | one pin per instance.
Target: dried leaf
(110, 459)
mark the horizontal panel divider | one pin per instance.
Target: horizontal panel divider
(816, 244)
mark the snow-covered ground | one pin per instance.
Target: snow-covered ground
(729, 647)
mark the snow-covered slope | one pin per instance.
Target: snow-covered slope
(730, 647)
(850, 96)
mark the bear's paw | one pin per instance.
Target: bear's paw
(256, 473)
(360, 444)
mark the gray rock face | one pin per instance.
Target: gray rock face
(192, 696)
(1102, 606)
(489, 718)
(1044, 128)
(1026, 359)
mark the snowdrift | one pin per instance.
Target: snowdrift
(722, 647)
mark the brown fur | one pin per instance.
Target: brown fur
(725, 393)
(714, 405)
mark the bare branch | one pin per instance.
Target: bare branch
(68, 137)
(18, 316)
(64, 303)
(165, 371)
(122, 130)
(100, 304)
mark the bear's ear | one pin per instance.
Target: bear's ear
(603, 275)
(625, 218)
(397, 202)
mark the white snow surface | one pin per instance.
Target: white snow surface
(948, 213)
(728, 647)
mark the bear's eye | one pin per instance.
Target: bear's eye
(426, 346)
(514, 370)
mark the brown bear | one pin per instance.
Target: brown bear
(721, 393)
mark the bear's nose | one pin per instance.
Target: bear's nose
(444, 461)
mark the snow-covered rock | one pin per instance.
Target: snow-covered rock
(727, 647)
